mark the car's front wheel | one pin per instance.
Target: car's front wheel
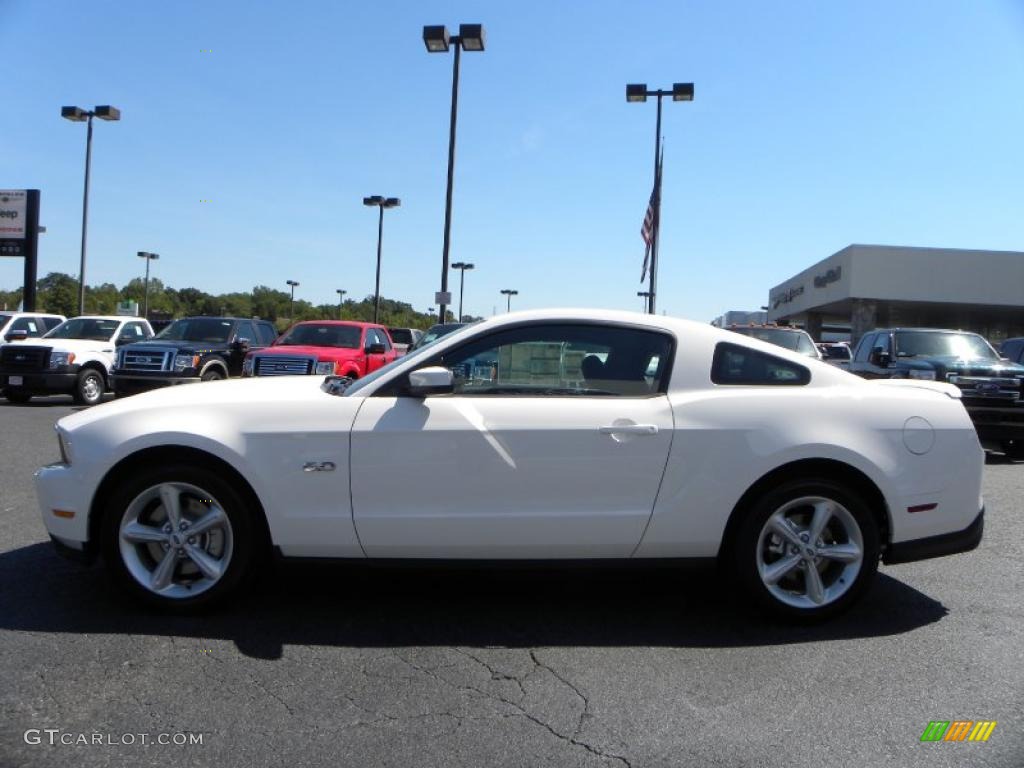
(807, 549)
(89, 387)
(180, 537)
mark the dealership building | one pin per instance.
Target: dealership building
(878, 286)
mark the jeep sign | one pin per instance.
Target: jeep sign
(13, 208)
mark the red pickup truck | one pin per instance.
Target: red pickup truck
(324, 348)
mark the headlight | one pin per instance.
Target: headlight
(325, 369)
(926, 375)
(182, 362)
(57, 359)
(247, 367)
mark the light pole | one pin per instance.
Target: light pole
(437, 40)
(637, 92)
(461, 266)
(381, 202)
(645, 295)
(145, 302)
(341, 299)
(509, 293)
(79, 115)
(291, 307)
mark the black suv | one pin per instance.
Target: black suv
(189, 349)
(992, 388)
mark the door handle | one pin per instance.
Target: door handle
(630, 429)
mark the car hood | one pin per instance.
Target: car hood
(71, 345)
(321, 353)
(252, 395)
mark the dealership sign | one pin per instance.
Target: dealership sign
(13, 213)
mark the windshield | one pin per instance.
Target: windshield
(322, 335)
(209, 329)
(92, 328)
(836, 353)
(961, 345)
(415, 354)
(436, 332)
(400, 335)
(782, 337)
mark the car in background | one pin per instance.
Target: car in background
(404, 338)
(75, 358)
(837, 353)
(435, 332)
(794, 339)
(1013, 350)
(992, 388)
(566, 447)
(189, 350)
(18, 326)
(324, 347)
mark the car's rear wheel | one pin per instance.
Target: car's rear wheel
(180, 537)
(19, 396)
(808, 549)
(89, 387)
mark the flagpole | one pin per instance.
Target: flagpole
(653, 289)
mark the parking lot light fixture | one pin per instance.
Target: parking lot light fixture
(381, 202)
(462, 266)
(509, 293)
(638, 92)
(291, 307)
(145, 301)
(79, 115)
(471, 38)
(341, 299)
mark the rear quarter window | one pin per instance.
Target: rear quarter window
(734, 364)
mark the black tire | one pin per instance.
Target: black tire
(212, 373)
(842, 589)
(1014, 449)
(89, 387)
(18, 396)
(247, 546)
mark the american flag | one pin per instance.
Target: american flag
(647, 228)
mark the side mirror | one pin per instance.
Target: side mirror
(375, 349)
(431, 381)
(242, 343)
(121, 340)
(16, 336)
(880, 357)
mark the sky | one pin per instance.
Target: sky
(251, 131)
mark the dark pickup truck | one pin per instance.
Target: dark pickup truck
(188, 350)
(992, 387)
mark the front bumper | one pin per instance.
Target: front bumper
(131, 383)
(994, 423)
(937, 546)
(61, 489)
(60, 380)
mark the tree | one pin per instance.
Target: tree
(58, 292)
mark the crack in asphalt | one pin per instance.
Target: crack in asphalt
(520, 710)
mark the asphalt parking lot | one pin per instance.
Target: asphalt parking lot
(353, 667)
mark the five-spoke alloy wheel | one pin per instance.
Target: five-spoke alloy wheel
(808, 549)
(178, 536)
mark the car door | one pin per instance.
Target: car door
(377, 359)
(552, 445)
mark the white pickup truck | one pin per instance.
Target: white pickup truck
(74, 358)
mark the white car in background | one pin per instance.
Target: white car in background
(75, 358)
(18, 326)
(544, 435)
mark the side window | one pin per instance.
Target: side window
(33, 326)
(805, 346)
(733, 364)
(245, 330)
(52, 322)
(864, 347)
(266, 334)
(559, 360)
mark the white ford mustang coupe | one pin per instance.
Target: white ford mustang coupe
(546, 435)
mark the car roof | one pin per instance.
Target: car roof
(923, 330)
(360, 323)
(118, 318)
